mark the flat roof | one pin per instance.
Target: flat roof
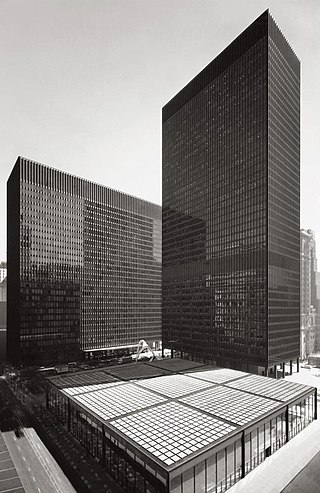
(179, 414)
(10, 477)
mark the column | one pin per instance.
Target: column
(243, 455)
(298, 368)
(283, 369)
(287, 423)
(68, 417)
(103, 459)
(315, 403)
(291, 367)
(47, 396)
(275, 371)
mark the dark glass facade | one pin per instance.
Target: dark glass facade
(84, 266)
(231, 206)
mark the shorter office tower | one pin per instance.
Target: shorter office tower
(84, 267)
(179, 426)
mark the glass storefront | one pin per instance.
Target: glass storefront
(301, 415)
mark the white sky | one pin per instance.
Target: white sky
(83, 83)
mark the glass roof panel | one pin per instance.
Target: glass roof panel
(219, 375)
(175, 364)
(82, 378)
(172, 431)
(174, 385)
(89, 388)
(112, 401)
(231, 404)
(281, 390)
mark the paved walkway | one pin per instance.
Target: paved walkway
(276, 472)
(308, 480)
(280, 469)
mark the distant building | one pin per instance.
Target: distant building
(84, 267)
(3, 290)
(3, 270)
(307, 266)
(308, 334)
(314, 359)
(310, 294)
(316, 304)
(3, 318)
(231, 206)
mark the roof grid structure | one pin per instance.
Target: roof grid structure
(174, 385)
(219, 375)
(111, 402)
(280, 390)
(174, 416)
(233, 405)
(177, 431)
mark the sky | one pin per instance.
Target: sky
(83, 83)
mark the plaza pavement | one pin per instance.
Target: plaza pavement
(280, 472)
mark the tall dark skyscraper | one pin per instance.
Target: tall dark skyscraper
(231, 206)
(84, 266)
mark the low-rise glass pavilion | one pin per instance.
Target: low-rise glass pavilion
(181, 429)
